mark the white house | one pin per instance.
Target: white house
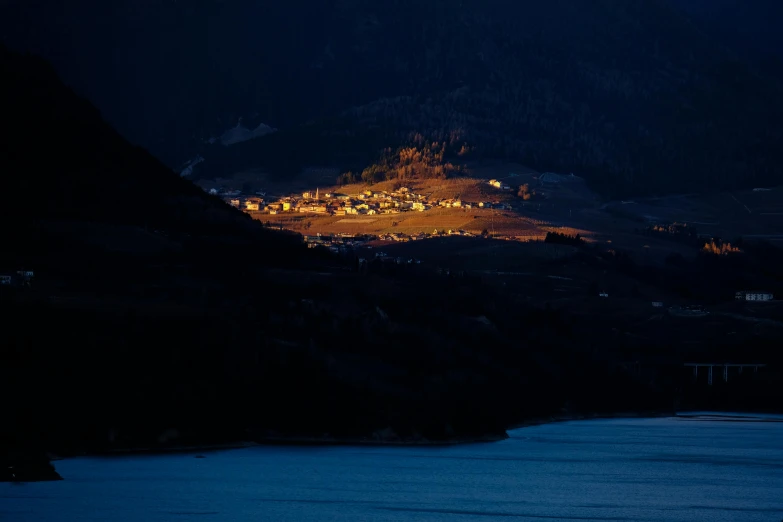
(754, 296)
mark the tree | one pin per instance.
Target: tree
(373, 174)
(525, 193)
(346, 178)
(719, 248)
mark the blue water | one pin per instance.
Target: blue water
(679, 469)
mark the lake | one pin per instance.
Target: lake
(702, 467)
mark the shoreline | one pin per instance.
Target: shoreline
(282, 441)
(539, 421)
(369, 442)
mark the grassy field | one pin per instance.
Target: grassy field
(530, 220)
(475, 221)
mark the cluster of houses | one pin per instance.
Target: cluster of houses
(342, 242)
(498, 184)
(338, 243)
(754, 296)
(349, 243)
(423, 235)
(19, 278)
(368, 202)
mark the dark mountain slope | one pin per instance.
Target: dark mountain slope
(129, 331)
(631, 94)
(63, 164)
(58, 148)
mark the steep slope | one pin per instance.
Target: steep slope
(629, 93)
(64, 165)
(121, 344)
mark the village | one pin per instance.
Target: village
(365, 205)
(367, 202)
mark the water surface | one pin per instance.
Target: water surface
(678, 469)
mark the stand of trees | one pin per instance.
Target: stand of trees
(564, 239)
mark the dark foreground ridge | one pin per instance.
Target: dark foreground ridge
(29, 466)
(159, 317)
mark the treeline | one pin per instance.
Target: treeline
(564, 239)
(719, 248)
(422, 160)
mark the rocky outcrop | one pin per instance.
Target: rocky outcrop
(27, 467)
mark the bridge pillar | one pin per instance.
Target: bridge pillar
(695, 372)
(725, 373)
(709, 376)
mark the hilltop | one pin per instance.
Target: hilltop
(635, 96)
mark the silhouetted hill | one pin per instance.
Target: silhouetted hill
(158, 316)
(155, 307)
(63, 163)
(632, 94)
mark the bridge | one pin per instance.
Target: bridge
(724, 366)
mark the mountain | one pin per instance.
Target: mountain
(158, 316)
(634, 95)
(153, 316)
